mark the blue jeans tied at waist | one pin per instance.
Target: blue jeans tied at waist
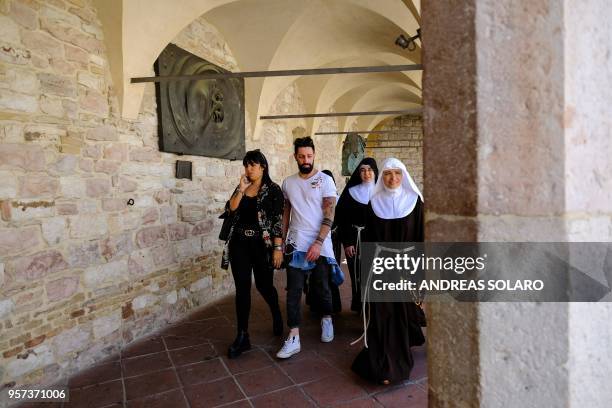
(299, 261)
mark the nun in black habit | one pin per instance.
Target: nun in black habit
(395, 214)
(350, 219)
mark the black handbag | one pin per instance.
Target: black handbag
(228, 219)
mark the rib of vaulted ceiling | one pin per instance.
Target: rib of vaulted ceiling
(342, 94)
(321, 93)
(277, 35)
(394, 96)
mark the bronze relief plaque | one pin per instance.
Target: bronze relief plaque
(353, 151)
(199, 117)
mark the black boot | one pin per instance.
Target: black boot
(239, 345)
(277, 323)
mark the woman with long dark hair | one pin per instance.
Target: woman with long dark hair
(351, 219)
(254, 244)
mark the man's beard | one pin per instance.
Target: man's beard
(305, 168)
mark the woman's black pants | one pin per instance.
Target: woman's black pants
(250, 254)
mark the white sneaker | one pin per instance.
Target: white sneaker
(327, 330)
(291, 347)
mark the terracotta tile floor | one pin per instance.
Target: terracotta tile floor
(186, 366)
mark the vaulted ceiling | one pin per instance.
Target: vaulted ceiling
(278, 35)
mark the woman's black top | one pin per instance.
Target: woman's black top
(248, 213)
(266, 216)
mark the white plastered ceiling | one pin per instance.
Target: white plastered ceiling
(278, 35)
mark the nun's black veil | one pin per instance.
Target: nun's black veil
(353, 181)
(356, 177)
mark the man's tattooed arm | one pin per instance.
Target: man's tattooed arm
(329, 208)
(286, 218)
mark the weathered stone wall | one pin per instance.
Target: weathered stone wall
(278, 135)
(588, 198)
(408, 133)
(81, 272)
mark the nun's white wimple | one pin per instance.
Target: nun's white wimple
(395, 203)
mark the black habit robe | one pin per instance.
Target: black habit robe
(393, 327)
(351, 213)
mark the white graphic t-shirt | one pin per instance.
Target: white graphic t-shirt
(306, 198)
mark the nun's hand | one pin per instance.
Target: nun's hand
(313, 252)
(349, 251)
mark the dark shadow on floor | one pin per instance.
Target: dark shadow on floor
(185, 365)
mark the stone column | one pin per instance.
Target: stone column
(588, 149)
(450, 188)
(517, 148)
(521, 191)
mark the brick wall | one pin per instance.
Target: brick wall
(407, 131)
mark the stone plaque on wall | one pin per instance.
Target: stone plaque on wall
(199, 117)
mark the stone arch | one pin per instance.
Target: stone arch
(336, 90)
(145, 28)
(340, 50)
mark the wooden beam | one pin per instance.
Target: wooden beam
(289, 72)
(331, 115)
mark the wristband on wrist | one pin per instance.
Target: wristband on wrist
(319, 240)
(278, 247)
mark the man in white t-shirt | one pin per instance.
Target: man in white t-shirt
(310, 201)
